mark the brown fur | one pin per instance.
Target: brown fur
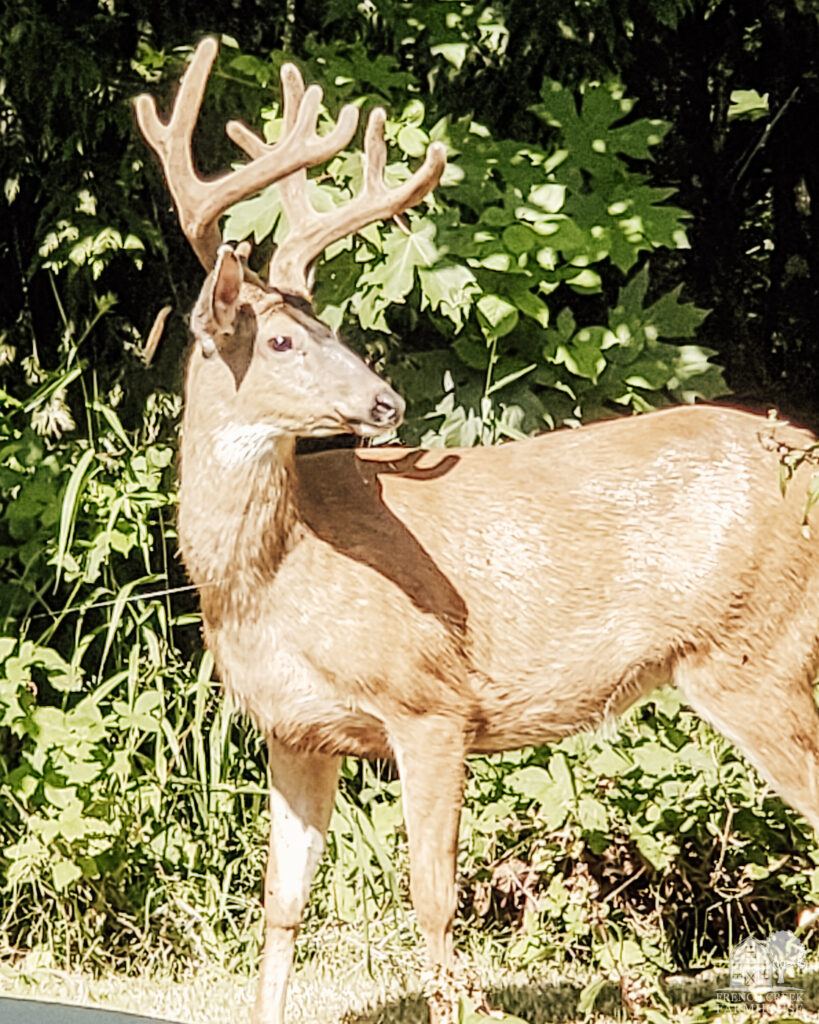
(429, 604)
(425, 605)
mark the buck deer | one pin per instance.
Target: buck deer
(424, 605)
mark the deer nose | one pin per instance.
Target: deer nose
(388, 409)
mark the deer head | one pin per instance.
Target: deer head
(271, 369)
(264, 364)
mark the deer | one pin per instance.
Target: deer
(425, 605)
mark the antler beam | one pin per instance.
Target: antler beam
(200, 202)
(311, 232)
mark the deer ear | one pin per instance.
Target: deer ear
(228, 275)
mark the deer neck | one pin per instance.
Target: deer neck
(238, 517)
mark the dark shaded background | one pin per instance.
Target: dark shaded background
(751, 186)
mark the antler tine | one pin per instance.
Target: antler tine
(171, 141)
(311, 232)
(200, 202)
(293, 94)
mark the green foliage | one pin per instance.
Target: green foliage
(645, 851)
(468, 1014)
(132, 815)
(514, 231)
(129, 795)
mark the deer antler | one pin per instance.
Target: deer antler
(311, 232)
(200, 202)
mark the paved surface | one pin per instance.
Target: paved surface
(31, 1011)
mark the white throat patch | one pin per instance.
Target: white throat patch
(237, 444)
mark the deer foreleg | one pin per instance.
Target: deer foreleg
(301, 802)
(430, 751)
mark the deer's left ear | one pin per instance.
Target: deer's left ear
(228, 275)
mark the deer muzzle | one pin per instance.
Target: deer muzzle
(385, 412)
(388, 409)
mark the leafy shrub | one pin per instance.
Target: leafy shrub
(132, 810)
(515, 232)
(130, 799)
(648, 849)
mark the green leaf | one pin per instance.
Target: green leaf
(631, 298)
(413, 141)
(404, 252)
(588, 995)
(64, 873)
(592, 815)
(670, 318)
(518, 238)
(590, 134)
(449, 288)
(496, 217)
(253, 218)
(813, 493)
(655, 758)
(748, 105)
(657, 854)
(141, 716)
(532, 781)
(413, 112)
(549, 197)
(468, 1014)
(583, 355)
(71, 499)
(586, 281)
(473, 353)
(532, 306)
(552, 788)
(453, 53)
(649, 371)
(496, 315)
(61, 675)
(565, 324)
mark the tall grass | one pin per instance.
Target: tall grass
(133, 812)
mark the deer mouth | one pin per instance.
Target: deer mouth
(386, 412)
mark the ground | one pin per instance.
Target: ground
(339, 989)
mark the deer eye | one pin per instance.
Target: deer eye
(281, 343)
